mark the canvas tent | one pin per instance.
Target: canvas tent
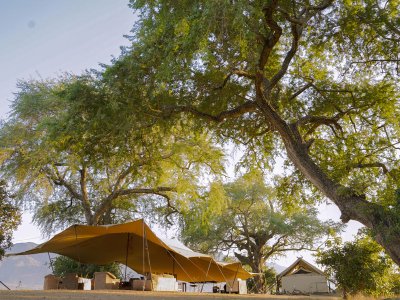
(137, 246)
(302, 277)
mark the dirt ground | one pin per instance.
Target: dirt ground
(135, 295)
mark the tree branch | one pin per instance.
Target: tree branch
(296, 33)
(85, 197)
(58, 180)
(304, 88)
(248, 106)
(106, 202)
(273, 36)
(385, 170)
(240, 73)
(374, 60)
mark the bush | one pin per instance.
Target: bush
(360, 267)
(63, 265)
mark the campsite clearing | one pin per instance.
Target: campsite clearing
(136, 295)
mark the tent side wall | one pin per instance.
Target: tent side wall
(305, 283)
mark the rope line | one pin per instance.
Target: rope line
(230, 287)
(173, 257)
(237, 270)
(208, 269)
(51, 263)
(148, 257)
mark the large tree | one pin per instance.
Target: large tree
(255, 224)
(62, 154)
(10, 218)
(313, 81)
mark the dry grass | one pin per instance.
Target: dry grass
(367, 297)
(135, 295)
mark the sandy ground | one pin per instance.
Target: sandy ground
(135, 295)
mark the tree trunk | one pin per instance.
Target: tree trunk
(259, 282)
(257, 266)
(383, 221)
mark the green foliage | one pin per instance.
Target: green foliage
(66, 157)
(312, 83)
(63, 265)
(10, 218)
(360, 266)
(269, 280)
(253, 223)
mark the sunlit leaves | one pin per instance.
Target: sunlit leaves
(10, 218)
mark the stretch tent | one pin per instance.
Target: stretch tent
(137, 246)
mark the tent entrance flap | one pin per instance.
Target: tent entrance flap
(138, 247)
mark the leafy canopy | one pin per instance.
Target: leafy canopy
(63, 153)
(360, 267)
(254, 224)
(10, 218)
(313, 81)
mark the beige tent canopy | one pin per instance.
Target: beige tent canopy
(137, 246)
(303, 277)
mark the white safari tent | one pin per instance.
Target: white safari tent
(302, 278)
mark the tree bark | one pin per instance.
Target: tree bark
(352, 206)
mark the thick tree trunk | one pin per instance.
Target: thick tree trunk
(256, 261)
(259, 281)
(383, 222)
(353, 207)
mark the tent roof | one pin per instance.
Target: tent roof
(300, 263)
(137, 246)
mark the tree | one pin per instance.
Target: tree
(10, 218)
(255, 224)
(314, 81)
(63, 265)
(269, 279)
(359, 267)
(63, 155)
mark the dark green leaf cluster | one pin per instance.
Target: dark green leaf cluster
(71, 151)
(63, 265)
(10, 218)
(360, 266)
(254, 224)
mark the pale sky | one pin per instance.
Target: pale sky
(44, 38)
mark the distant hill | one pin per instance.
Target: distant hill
(278, 268)
(24, 272)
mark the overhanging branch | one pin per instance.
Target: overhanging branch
(246, 107)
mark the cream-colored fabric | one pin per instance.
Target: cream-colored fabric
(136, 244)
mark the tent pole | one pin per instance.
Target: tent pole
(51, 263)
(148, 256)
(77, 251)
(237, 270)
(208, 269)
(144, 281)
(5, 286)
(222, 273)
(126, 258)
(173, 266)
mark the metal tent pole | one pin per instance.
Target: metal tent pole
(5, 285)
(126, 258)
